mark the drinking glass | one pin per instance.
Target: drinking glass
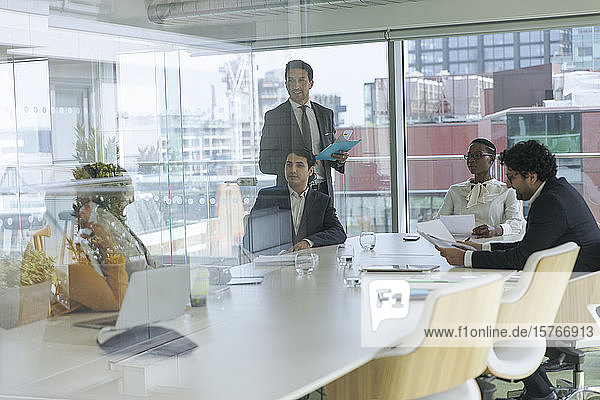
(352, 276)
(345, 255)
(367, 240)
(305, 263)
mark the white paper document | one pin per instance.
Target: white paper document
(459, 225)
(446, 243)
(436, 228)
(436, 233)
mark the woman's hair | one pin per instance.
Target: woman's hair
(486, 143)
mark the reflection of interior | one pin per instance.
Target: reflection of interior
(169, 12)
(175, 92)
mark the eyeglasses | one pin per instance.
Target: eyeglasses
(476, 156)
(510, 177)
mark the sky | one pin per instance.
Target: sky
(340, 70)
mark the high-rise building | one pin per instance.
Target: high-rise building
(433, 99)
(584, 55)
(376, 96)
(271, 92)
(333, 102)
(478, 54)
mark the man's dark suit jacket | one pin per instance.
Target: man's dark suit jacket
(281, 133)
(558, 215)
(319, 222)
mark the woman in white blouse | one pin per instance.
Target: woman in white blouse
(496, 208)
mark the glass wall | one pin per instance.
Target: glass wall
(184, 125)
(124, 149)
(506, 87)
(357, 92)
(120, 155)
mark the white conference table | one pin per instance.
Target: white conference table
(281, 339)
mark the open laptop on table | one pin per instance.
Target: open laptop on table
(268, 231)
(152, 295)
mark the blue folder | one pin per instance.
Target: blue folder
(336, 147)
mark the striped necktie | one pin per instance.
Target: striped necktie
(306, 128)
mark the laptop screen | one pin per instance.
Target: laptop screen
(268, 231)
(152, 295)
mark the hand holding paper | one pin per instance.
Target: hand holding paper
(436, 233)
(453, 255)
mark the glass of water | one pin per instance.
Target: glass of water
(367, 240)
(352, 276)
(305, 263)
(345, 255)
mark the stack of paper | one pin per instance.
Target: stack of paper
(275, 261)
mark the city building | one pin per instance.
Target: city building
(487, 53)
(376, 102)
(584, 53)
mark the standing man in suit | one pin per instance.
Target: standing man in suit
(299, 123)
(314, 219)
(558, 214)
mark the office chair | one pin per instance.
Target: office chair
(546, 271)
(426, 367)
(38, 238)
(568, 354)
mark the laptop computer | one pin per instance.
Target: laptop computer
(268, 231)
(152, 295)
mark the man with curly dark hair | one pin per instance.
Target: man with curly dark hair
(558, 214)
(530, 157)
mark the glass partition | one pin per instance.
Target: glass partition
(219, 152)
(357, 92)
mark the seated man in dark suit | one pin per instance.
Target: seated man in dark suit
(558, 214)
(314, 220)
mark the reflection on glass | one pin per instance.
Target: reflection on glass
(345, 255)
(367, 240)
(358, 95)
(105, 250)
(305, 263)
(352, 276)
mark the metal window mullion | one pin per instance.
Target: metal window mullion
(397, 137)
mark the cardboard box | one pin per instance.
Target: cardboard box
(25, 304)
